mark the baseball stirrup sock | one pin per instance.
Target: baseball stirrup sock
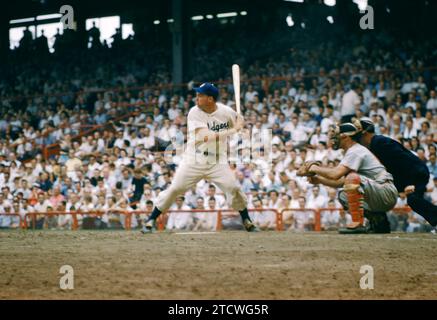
(244, 214)
(155, 214)
(355, 198)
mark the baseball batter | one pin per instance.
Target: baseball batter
(209, 125)
(368, 189)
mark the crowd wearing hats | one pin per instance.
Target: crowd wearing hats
(121, 165)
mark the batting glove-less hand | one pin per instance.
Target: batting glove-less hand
(304, 170)
(239, 122)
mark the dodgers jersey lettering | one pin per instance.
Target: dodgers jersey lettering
(221, 119)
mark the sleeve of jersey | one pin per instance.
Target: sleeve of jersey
(352, 160)
(232, 115)
(194, 122)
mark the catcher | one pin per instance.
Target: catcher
(367, 188)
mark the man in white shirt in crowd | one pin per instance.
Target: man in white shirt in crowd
(431, 104)
(72, 162)
(303, 219)
(119, 141)
(298, 134)
(41, 208)
(330, 219)
(219, 199)
(265, 220)
(24, 189)
(180, 220)
(250, 94)
(93, 164)
(173, 112)
(315, 199)
(328, 119)
(13, 158)
(350, 102)
(205, 221)
(147, 140)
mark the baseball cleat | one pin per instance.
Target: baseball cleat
(149, 227)
(249, 226)
(381, 223)
(378, 222)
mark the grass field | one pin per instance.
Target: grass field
(224, 265)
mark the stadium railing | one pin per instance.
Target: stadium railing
(30, 219)
(162, 220)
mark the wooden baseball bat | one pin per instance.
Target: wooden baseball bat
(236, 81)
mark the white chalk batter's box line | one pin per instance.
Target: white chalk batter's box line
(195, 233)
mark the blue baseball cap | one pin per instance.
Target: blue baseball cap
(207, 89)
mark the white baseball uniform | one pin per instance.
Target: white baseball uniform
(205, 160)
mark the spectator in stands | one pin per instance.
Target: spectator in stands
(432, 164)
(315, 199)
(330, 219)
(40, 208)
(180, 220)
(264, 219)
(350, 103)
(303, 219)
(203, 220)
(220, 201)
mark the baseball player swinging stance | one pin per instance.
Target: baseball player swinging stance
(367, 188)
(209, 125)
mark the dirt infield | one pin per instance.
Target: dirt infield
(225, 265)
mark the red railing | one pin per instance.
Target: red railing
(30, 219)
(162, 220)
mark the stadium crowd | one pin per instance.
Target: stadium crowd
(113, 118)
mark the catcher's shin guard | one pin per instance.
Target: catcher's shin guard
(354, 196)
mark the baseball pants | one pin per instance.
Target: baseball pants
(378, 196)
(188, 174)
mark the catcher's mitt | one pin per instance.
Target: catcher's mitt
(304, 170)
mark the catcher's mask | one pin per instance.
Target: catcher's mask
(348, 129)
